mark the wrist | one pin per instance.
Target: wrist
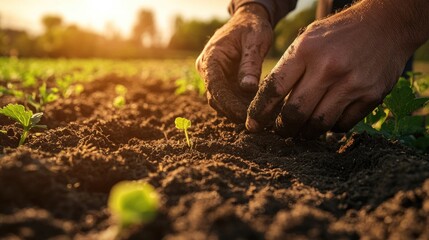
(255, 9)
(406, 23)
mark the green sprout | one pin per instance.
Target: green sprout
(26, 118)
(45, 96)
(119, 100)
(183, 124)
(133, 203)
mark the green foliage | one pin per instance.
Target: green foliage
(3, 131)
(26, 118)
(183, 124)
(133, 202)
(395, 118)
(119, 100)
(191, 81)
(45, 95)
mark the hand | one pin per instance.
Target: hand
(231, 61)
(333, 75)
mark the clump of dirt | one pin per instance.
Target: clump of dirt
(231, 185)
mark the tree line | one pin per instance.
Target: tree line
(189, 37)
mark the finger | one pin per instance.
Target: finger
(221, 93)
(327, 112)
(300, 105)
(249, 73)
(274, 89)
(355, 112)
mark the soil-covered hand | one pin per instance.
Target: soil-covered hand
(231, 61)
(338, 70)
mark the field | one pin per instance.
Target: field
(229, 185)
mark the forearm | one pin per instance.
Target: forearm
(277, 9)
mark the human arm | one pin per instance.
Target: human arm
(340, 68)
(231, 62)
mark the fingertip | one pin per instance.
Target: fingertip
(249, 83)
(252, 125)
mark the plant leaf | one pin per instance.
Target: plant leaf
(411, 125)
(18, 113)
(402, 100)
(133, 202)
(3, 131)
(35, 119)
(182, 123)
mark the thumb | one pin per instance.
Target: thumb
(250, 66)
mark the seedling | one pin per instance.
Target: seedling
(133, 203)
(26, 118)
(183, 124)
(119, 100)
(44, 97)
(395, 120)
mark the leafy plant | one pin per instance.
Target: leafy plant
(44, 96)
(183, 124)
(119, 100)
(133, 202)
(394, 119)
(10, 90)
(26, 118)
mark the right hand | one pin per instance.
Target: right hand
(231, 62)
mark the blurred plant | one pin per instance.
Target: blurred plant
(43, 97)
(119, 100)
(26, 118)
(133, 203)
(190, 82)
(10, 90)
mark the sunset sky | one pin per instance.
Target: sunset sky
(98, 14)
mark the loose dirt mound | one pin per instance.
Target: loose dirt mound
(231, 185)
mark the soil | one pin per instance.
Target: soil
(231, 185)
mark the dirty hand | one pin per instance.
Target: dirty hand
(334, 74)
(231, 62)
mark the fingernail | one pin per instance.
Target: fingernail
(252, 125)
(249, 82)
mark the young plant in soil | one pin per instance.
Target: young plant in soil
(26, 118)
(119, 100)
(132, 203)
(44, 97)
(183, 124)
(394, 119)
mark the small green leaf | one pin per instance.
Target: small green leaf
(133, 202)
(411, 125)
(18, 113)
(121, 90)
(3, 131)
(119, 101)
(402, 100)
(182, 123)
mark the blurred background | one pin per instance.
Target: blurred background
(127, 29)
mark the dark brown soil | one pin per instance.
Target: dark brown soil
(232, 185)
